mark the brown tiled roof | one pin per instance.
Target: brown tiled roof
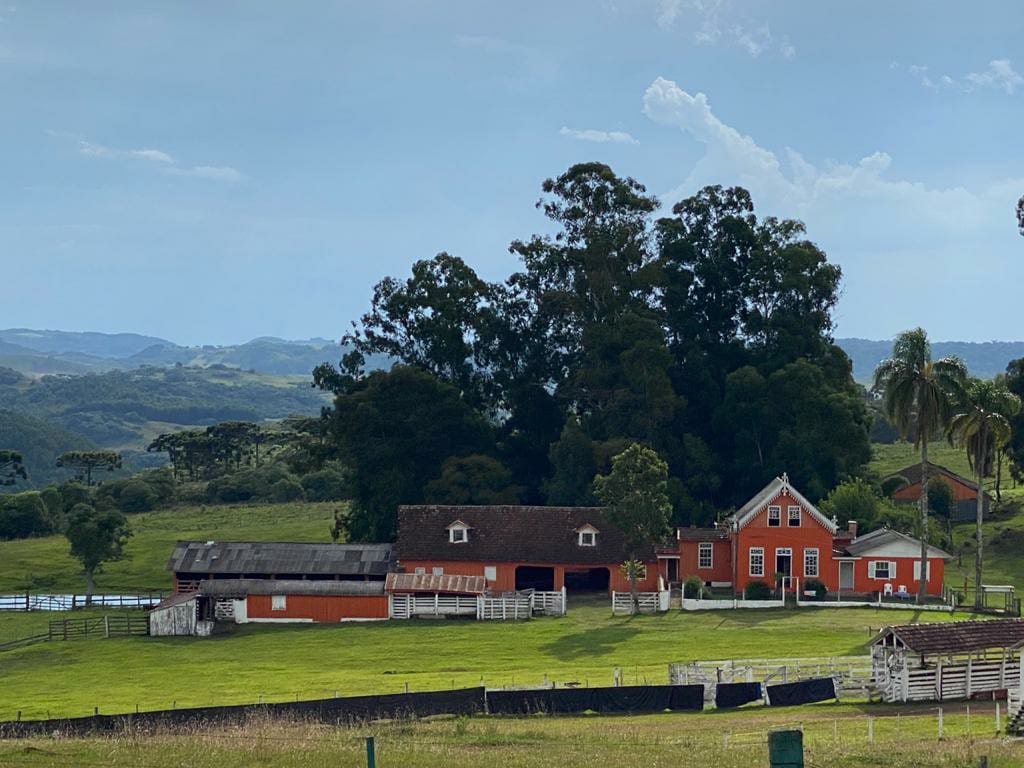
(510, 534)
(957, 636)
(445, 584)
(703, 534)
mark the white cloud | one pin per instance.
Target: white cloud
(877, 226)
(159, 158)
(998, 75)
(601, 137)
(714, 25)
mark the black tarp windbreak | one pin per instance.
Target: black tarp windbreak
(617, 700)
(804, 692)
(736, 694)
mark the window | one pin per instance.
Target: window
(927, 570)
(810, 562)
(458, 534)
(420, 571)
(794, 516)
(774, 517)
(437, 570)
(705, 554)
(588, 539)
(278, 602)
(757, 561)
(882, 569)
(491, 572)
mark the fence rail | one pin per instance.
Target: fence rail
(98, 626)
(646, 602)
(71, 602)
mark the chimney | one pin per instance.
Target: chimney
(851, 526)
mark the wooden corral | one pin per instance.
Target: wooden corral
(948, 661)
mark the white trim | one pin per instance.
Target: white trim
(437, 570)
(490, 573)
(789, 516)
(279, 602)
(873, 570)
(708, 548)
(772, 491)
(460, 528)
(817, 563)
(751, 551)
(280, 621)
(927, 570)
(775, 513)
(581, 541)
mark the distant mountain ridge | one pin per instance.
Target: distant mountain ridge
(984, 359)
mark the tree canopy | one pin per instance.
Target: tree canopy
(96, 537)
(12, 467)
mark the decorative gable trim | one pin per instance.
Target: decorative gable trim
(769, 495)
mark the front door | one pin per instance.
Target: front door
(784, 565)
(846, 574)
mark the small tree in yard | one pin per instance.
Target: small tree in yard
(84, 463)
(96, 537)
(635, 496)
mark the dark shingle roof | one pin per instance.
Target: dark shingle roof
(957, 636)
(274, 557)
(702, 534)
(510, 534)
(912, 474)
(243, 587)
(445, 584)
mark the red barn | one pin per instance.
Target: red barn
(965, 491)
(290, 601)
(518, 547)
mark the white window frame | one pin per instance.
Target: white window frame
(437, 570)
(789, 516)
(463, 534)
(279, 602)
(420, 571)
(490, 573)
(927, 570)
(759, 552)
(811, 553)
(873, 570)
(587, 538)
(774, 516)
(705, 555)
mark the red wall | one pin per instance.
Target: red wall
(863, 583)
(721, 561)
(506, 573)
(961, 492)
(321, 608)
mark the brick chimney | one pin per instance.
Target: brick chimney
(851, 526)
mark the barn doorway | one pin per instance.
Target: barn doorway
(590, 580)
(535, 577)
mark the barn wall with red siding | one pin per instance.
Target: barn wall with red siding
(327, 609)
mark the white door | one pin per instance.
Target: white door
(845, 574)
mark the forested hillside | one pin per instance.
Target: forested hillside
(984, 359)
(39, 443)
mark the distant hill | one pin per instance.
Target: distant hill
(112, 345)
(40, 443)
(983, 359)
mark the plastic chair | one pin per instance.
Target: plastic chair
(887, 589)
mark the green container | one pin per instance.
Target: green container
(786, 749)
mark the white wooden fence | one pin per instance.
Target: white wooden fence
(945, 680)
(70, 602)
(509, 606)
(699, 604)
(647, 602)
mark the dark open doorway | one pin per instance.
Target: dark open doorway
(535, 577)
(591, 580)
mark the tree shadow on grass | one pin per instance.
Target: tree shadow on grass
(590, 642)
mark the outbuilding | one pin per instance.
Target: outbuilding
(181, 614)
(295, 601)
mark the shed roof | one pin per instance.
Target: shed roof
(912, 474)
(178, 598)
(702, 534)
(863, 545)
(445, 584)
(956, 636)
(244, 587)
(523, 534)
(279, 557)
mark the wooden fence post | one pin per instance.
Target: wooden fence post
(940, 723)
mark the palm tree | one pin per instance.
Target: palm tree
(917, 397)
(982, 426)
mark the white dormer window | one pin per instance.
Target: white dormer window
(587, 536)
(458, 532)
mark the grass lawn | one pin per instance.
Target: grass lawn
(44, 563)
(288, 662)
(834, 735)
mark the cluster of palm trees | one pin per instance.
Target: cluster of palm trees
(926, 398)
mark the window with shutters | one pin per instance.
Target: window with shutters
(882, 569)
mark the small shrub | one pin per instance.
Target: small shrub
(693, 587)
(23, 515)
(327, 484)
(287, 489)
(816, 586)
(137, 496)
(757, 590)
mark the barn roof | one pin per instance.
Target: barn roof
(522, 534)
(244, 587)
(956, 636)
(176, 599)
(912, 474)
(445, 584)
(864, 545)
(278, 557)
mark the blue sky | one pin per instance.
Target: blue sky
(212, 172)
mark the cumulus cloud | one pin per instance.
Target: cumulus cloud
(716, 24)
(998, 75)
(600, 137)
(877, 226)
(156, 157)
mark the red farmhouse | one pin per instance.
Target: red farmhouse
(518, 547)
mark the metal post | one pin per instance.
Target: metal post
(371, 753)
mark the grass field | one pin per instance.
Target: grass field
(315, 661)
(44, 563)
(834, 735)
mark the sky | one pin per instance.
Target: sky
(213, 172)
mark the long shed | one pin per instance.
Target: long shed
(296, 601)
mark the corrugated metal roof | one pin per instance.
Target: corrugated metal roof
(243, 587)
(176, 599)
(278, 557)
(882, 536)
(956, 636)
(442, 584)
